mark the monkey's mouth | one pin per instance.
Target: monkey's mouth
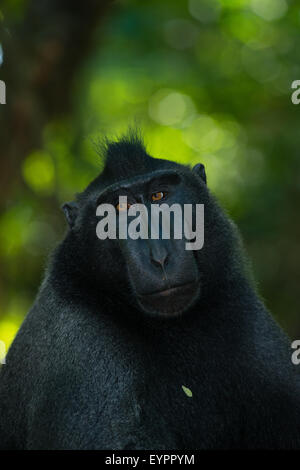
(172, 301)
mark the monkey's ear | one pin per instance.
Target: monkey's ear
(200, 171)
(71, 211)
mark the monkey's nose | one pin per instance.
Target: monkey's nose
(159, 257)
(160, 262)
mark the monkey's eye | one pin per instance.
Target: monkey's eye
(158, 196)
(122, 207)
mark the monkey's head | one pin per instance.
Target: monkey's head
(156, 270)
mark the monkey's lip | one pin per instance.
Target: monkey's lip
(172, 301)
(171, 290)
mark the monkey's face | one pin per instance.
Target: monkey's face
(146, 240)
(163, 231)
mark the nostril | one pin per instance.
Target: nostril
(162, 261)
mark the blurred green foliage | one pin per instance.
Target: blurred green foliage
(206, 80)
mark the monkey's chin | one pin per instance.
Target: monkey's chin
(170, 302)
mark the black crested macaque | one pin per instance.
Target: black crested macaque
(121, 329)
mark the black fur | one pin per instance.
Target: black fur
(90, 370)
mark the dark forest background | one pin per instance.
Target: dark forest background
(207, 80)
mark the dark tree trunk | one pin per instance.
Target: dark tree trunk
(42, 54)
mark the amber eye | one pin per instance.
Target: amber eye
(158, 196)
(122, 207)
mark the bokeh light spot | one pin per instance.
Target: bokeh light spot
(269, 10)
(204, 135)
(8, 331)
(169, 107)
(38, 172)
(206, 11)
(262, 65)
